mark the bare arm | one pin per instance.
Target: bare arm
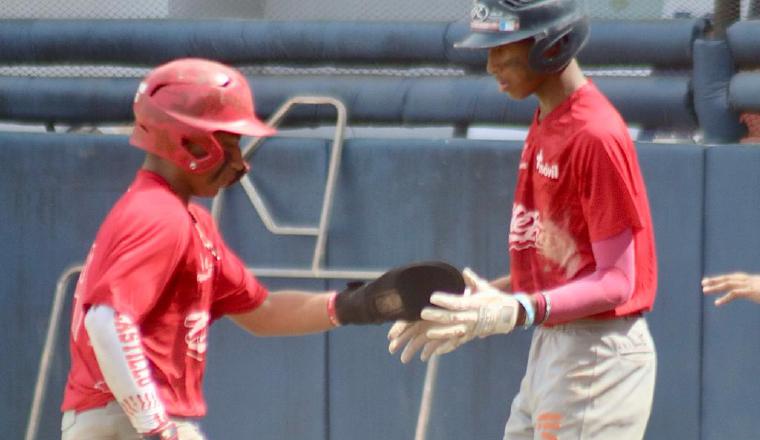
(288, 313)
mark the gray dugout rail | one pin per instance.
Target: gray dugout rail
(395, 201)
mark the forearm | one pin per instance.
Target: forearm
(599, 292)
(610, 286)
(118, 348)
(288, 313)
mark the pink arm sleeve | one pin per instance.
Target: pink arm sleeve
(609, 286)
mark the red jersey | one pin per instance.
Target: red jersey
(579, 182)
(165, 265)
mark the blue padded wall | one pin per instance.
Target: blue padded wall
(271, 388)
(396, 200)
(731, 352)
(674, 175)
(402, 200)
(54, 192)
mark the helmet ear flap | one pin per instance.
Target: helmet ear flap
(568, 41)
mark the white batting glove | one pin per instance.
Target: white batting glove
(414, 335)
(462, 318)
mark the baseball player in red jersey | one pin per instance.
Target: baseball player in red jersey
(159, 273)
(582, 257)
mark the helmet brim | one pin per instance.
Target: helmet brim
(487, 40)
(248, 127)
(251, 126)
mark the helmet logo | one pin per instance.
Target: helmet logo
(483, 19)
(140, 90)
(480, 12)
(221, 79)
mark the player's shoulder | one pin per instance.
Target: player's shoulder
(154, 210)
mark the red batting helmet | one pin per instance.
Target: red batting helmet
(188, 100)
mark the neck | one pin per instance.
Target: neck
(557, 88)
(172, 174)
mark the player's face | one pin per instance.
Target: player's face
(508, 64)
(225, 173)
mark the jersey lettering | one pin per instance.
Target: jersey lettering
(550, 171)
(523, 228)
(132, 346)
(197, 322)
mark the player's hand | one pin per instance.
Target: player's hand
(737, 285)
(459, 319)
(168, 432)
(414, 335)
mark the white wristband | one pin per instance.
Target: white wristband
(530, 312)
(548, 301)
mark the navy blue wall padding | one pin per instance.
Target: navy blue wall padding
(649, 102)
(731, 350)
(272, 388)
(713, 69)
(54, 192)
(444, 199)
(675, 177)
(744, 92)
(744, 39)
(67, 100)
(664, 43)
(640, 42)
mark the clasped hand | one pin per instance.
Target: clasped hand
(482, 311)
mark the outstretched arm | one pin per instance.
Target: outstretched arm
(399, 293)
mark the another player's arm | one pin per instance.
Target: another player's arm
(738, 285)
(399, 293)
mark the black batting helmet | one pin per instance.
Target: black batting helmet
(548, 22)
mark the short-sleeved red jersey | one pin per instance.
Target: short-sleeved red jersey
(579, 182)
(165, 265)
